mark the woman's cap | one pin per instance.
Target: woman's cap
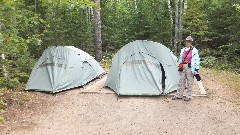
(189, 38)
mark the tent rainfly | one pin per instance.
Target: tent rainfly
(61, 68)
(138, 68)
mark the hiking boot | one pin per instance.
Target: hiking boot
(186, 99)
(175, 97)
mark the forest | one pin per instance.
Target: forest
(28, 27)
(101, 28)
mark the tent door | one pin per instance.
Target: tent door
(163, 79)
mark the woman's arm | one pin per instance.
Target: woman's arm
(180, 57)
(197, 61)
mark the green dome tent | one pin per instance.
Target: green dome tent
(61, 68)
(138, 66)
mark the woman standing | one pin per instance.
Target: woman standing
(190, 60)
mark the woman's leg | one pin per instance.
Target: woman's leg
(181, 84)
(190, 79)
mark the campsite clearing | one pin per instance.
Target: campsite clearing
(103, 112)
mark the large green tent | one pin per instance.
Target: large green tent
(61, 68)
(137, 69)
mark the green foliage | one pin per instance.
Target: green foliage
(17, 27)
(9, 82)
(83, 3)
(18, 70)
(2, 104)
(237, 6)
(224, 58)
(208, 61)
(2, 119)
(126, 21)
(107, 60)
(223, 23)
(194, 22)
(29, 27)
(214, 26)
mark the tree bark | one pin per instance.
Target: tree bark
(2, 56)
(3, 67)
(135, 4)
(97, 21)
(171, 20)
(180, 27)
(176, 27)
(35, 6)
(185, 6)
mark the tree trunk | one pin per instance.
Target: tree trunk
(176, 27)
(3, 67)
(185, 6)
(171, 20)
(97, 22)
(2, 56)
(35, 6)
(135, 4)
(180, 27)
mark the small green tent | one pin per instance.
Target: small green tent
(61, 68)
(138, 66)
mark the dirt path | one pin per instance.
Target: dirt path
(76, 112)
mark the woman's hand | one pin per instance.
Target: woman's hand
(196, 71)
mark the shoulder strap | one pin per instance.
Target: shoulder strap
(187, 54)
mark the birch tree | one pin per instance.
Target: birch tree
(171, 20)
(176, 27)
(97, 22)
(2, 56)
(180, 27)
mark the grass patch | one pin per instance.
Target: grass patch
(226, 78)
(106, 64)
(2, 119)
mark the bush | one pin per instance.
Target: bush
(106, 61)
(225, 57)
(10, 83)
(208, 61)
(2, 104)
(18, 69)
(220, 64)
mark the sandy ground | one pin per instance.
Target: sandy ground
(102, 112)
